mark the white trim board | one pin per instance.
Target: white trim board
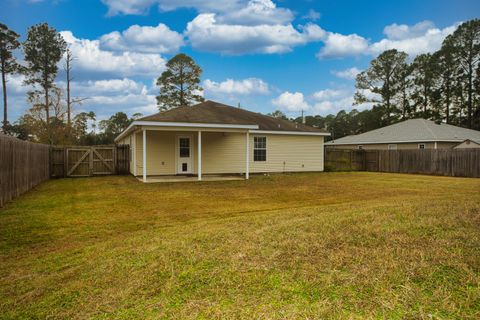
(295, 133)
(185, 124)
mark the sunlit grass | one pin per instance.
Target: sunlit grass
(307, 246)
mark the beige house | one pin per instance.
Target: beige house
(213, 138)
(410, 134)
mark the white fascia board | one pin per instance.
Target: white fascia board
(186, 124)
(195, 125)
(298, 133)
(331, 143)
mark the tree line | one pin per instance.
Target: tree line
(443, 86)
(50, 118)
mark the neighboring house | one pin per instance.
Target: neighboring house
(409, 134)
(213, 138)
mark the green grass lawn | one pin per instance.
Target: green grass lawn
(299, 246)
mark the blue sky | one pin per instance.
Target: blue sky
(265, 54)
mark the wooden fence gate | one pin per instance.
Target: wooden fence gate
(80, 161)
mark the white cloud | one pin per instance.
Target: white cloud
(333, 106)
(349, 74)
(403, 31)
(206, 34)
(338, 45)
(312, 15)
(159, 39)
(291, 102)
(248, 86)
(329, 94)
(142, 6)
(420, 38)
(333, 100)
(108, 96)
(257, 12)
(90, 57)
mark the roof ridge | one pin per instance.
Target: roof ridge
(427, 125)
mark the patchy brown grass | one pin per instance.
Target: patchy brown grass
(309, 246)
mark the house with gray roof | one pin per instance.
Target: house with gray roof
(211, 138)
(411, 134)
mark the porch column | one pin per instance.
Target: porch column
(134, 143)
(144, 155)
(247, 156)
(199, 165)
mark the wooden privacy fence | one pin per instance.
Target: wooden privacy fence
(83, 161)
(446, 162)
(23, 165)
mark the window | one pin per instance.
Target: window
(360, 147)
(259, 148)
(421, 146)
(184, 147)
(392, 147)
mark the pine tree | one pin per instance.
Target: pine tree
(8, 64)
(179, 84)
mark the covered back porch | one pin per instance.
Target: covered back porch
(164, 154)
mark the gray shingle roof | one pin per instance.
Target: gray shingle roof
(414, 130)
(218, 113)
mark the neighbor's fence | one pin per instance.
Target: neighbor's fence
(23, 165)
(446, 162)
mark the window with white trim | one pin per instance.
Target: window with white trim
(392, 147)
(421, 146)
(360, 147)
(259, 148)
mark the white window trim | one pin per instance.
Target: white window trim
(360, 147)
(254, 148)
(392, 146)
(422, 144)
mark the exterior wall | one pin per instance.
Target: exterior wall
(289, 153)
(400, 146)
(224, 152)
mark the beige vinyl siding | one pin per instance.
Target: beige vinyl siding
(224, 152)
(289, 153)
(160, 153)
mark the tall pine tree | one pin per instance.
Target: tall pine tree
(179, 84)
(8, 64)
(43, 48)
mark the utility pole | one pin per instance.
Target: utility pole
(68, 68)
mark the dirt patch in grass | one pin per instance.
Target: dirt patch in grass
(308, 246)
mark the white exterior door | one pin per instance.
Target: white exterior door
(184, 155)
